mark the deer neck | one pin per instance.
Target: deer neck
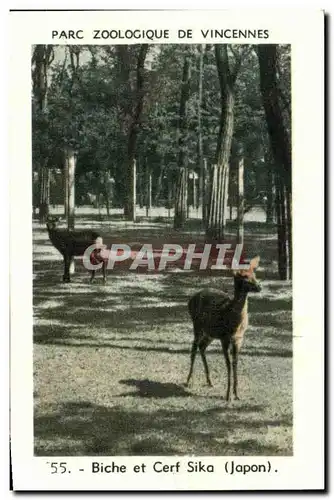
(240, 301)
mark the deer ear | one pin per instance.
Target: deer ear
(254, 262)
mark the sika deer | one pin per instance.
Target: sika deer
(216, 316)
(74, 243)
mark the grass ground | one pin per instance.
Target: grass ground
(110, 361)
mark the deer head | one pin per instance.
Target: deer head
(245, 279)
(52, 222)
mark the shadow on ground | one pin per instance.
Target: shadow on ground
(122, 314)
(82, 428)
(130, 303)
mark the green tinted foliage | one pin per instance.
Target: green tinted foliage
(89, 108)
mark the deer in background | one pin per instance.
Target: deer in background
(74, 243)
(217, 316)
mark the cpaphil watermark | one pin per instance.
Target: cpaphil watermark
(218, 256)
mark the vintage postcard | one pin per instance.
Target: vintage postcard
(167, 174)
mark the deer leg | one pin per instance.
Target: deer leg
(67, 262)
(92, 276)
(225, 346)
(104, 271)
(192, 360)
(235, 354)
(72, 265)
(202, 348)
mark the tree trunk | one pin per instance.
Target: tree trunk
(270, 191)
(134, 190)
(200, 134)
(129, 208)
(195, 203)
(241, 201)
(66, 186)
(107, 205)
(44, 193)
(205, 192)
(106, 192)
(159, 183)
(283, 267)
(281, 148)
(217, 219)
(42, 58)
(70, 171)
(289, 230)
(124, 107)
(226, 191)
(181, 199)
(279, 137)
(213, 204)
(181, 202)
(149, 194)
(219, 195)
(170, 193)
(140, 185)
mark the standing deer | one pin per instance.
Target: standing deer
(71, 243)
(216, 316)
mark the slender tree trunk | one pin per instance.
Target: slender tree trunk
(181, 199)
(200, 134)
(281, 229)
(66, 186)
(149, 193)
(140, 186)
(107, 205)
(44, 193)
(35, 193)
(134, 190)
(181, 202)
(187, 194)
(213, 204)
(124, 107)
(289, 230)
(129, 208)
(159, 183)
(270, 190)
(70, 164)
(195, 203)
(170, 194)
(241, 201)
(106, 192)
(205, 192)
(226, 191)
